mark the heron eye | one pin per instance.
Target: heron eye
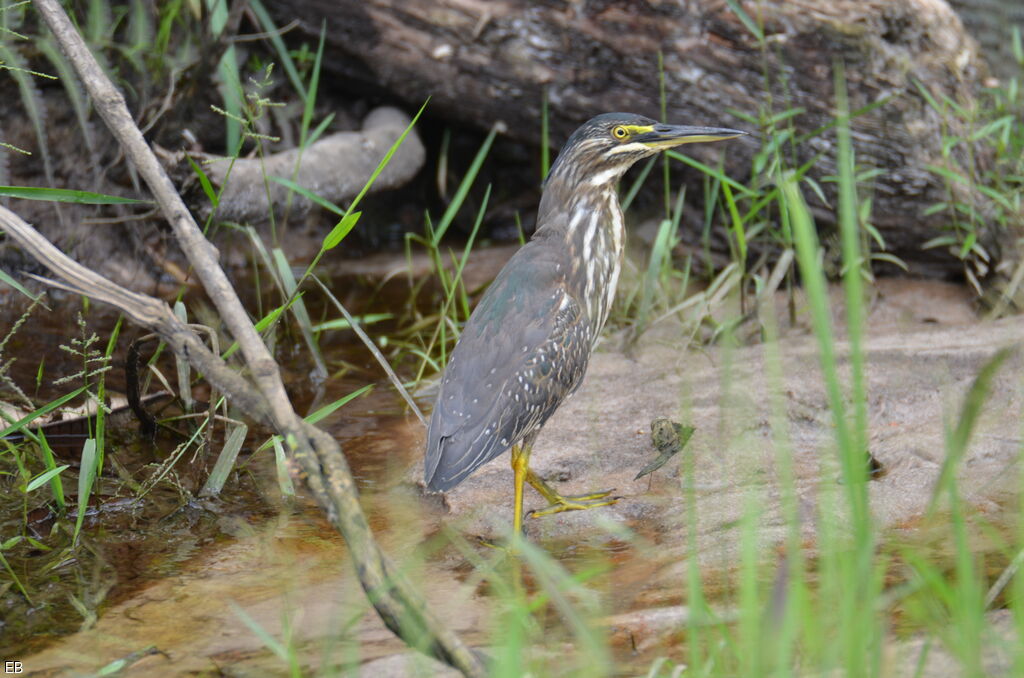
(620, 132)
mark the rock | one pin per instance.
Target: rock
(335, 168)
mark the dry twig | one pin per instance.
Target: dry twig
(318, 454)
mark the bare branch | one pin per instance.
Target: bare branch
(318, 454)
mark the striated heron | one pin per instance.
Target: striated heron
(526, 346)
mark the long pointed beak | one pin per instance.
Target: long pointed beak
(667, 136)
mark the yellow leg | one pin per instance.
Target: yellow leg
(521, 470)
(561, 503)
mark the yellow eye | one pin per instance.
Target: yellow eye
(620, 132)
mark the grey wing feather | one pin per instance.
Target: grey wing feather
(515, 362)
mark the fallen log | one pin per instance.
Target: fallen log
(482, 61)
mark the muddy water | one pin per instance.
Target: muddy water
(209, 580)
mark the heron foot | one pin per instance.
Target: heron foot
(578, 502)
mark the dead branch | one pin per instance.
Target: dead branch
(318, 454)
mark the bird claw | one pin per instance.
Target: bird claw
(578, 502)
(484, 541)
(589, 496)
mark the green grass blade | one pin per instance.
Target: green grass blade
(712, 172)
(204, 181)
(319, 129)
(298, 309)
(738, 231)
(230, 80)
(284, 56)
(182, 367)
(309, 101)
(283, 653)
(387, 157)
(44, 477)
(49, 460)
(262, 324)
(225, 462)
(460, 194)
(231, 92)
(11, 282)
(79, 101)
(634, 188)
(309, 195)
(86, 478)
(20, 424)
(322, 412)
(67, 195)
(331, 407)
(853, 261)
(340, 230)
(344, 324)
(660, 252)
(284, 477)
(970, 412)
(807, 249)
(14, 577)
(861, 583)
(745, 19)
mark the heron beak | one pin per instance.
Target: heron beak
(667, 136)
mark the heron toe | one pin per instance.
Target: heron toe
(578, 502)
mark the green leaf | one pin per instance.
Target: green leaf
(331, 407)
(274, 35)
(284, 478)
(387, 156)
(754, 29)
(8, 280)
(319, 414)
(319, 129)
(42, 478)
(890, 258)
(463, 190)
(86, 477)
(56, 488)
(309, 195)
(45, 409)
(340, 230)
(343, 324)
(737, 223)
(314, 81)
(712, 172)
(225, 462)
(67, 195)
(298, 309)
(204, 181)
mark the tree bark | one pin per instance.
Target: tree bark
(991, 23)
(481, 61)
